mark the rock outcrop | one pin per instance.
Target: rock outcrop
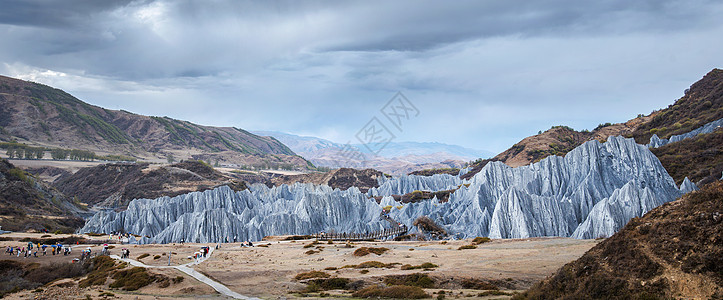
(591, 192)
(674, 251)
(224, 215)
(409, 183)
(656, 142)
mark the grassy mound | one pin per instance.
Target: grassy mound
(395, 292)
(311, 274)
(366, 250)
(416, 279)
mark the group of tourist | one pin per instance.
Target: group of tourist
(125, 253)
(86, 253)
(122, 237)
(31, 250)
(202, 253)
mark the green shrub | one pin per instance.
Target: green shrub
(416, 279)
(99, 269)
(467, 247)
(142, 256)
(132, 279)
(18, 174)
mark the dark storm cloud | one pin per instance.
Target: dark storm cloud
(53, 14)
(144, 39)
(325, 67)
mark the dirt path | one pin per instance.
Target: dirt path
(186, 268)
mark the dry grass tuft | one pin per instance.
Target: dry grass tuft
(311, 274)
(467, 247)
(480, 240)
(395, 292)
(366, 250)
(425, 266)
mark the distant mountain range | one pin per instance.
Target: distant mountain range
(396, 157)
(40, 115)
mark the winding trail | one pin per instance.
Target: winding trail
(186, 268)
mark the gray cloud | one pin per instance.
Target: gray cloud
(326, 67)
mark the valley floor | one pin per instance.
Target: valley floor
(268, 271)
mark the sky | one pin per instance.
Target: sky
(480, 74)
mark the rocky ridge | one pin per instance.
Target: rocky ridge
(591, 192)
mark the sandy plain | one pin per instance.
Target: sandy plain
(267, 270)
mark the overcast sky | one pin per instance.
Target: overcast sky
(481, 74)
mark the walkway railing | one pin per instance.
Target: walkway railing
(344, 236)
(380, 234)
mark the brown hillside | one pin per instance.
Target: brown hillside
(27, 203)
(430, 172)
(699, 158)
(674, 251)
(342, 178)
(114, 185)
(701, 104)
(558, 140)
(42, 115)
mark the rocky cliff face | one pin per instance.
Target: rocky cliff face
(656, 142)
(222, 214)
(675, 251)
(591, 192)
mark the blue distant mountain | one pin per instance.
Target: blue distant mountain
(395, 158)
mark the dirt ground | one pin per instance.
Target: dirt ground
(268, 272)
(70, 166)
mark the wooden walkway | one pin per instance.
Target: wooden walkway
(381, 234)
